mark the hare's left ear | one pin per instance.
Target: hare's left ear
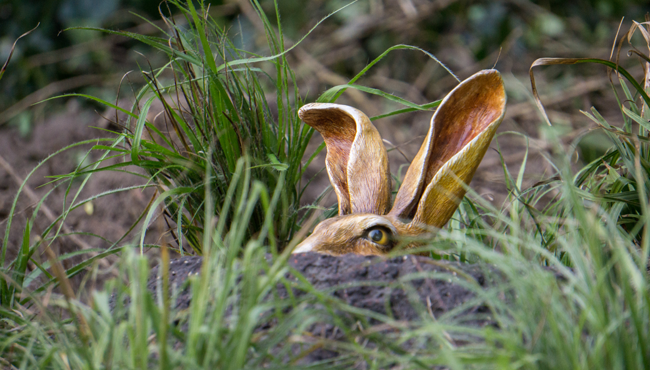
(357, 163)
(461, 131)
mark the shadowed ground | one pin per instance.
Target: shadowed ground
(365, 282)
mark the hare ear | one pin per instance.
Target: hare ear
(357, 163)
(461, 131)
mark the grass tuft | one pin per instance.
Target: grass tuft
(570, 287)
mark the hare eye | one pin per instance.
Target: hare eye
(379, 236)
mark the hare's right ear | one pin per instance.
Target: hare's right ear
(357, 162)
(461, 131)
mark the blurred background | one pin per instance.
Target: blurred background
(466, 36)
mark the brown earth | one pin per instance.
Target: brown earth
(384, 286)
(107, 217)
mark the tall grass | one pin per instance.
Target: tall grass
(619, 178)
(216, 111)
(569, 288)
(592, 315)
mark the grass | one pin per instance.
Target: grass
(216, 112)
(571, 254)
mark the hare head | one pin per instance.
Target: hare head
(357, 164)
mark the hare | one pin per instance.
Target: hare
(357, 164)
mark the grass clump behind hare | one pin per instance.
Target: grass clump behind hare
(575, 293)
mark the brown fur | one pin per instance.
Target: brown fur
(357, 162)
(460, 133)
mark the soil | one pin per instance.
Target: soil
(107, 217)
(371, 283)
(363, 282)
(349, 272)
(111, 216)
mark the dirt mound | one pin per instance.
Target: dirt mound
(385, 286)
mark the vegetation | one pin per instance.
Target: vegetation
(573, 251)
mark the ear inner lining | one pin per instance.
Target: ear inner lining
(466, 112)
(441, 197)
(338, 130)
(413, 185)
(357, 162)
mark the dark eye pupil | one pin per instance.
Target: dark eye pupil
(376, 235)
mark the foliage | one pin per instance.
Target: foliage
(594, 315)
(216, 112)
(571, 286)
(53, 56)
(618, 179)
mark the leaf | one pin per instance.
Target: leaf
(11, 53)
(276, 164)
(139, 128)
(569, 61)
(76, 269)
(152, 210)
(37, 272)
(101, 101)
(156, 42)
(276, 56)
(426, 106)
(637, 118)
(396, 47)
(331, 94)
(12, 211)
